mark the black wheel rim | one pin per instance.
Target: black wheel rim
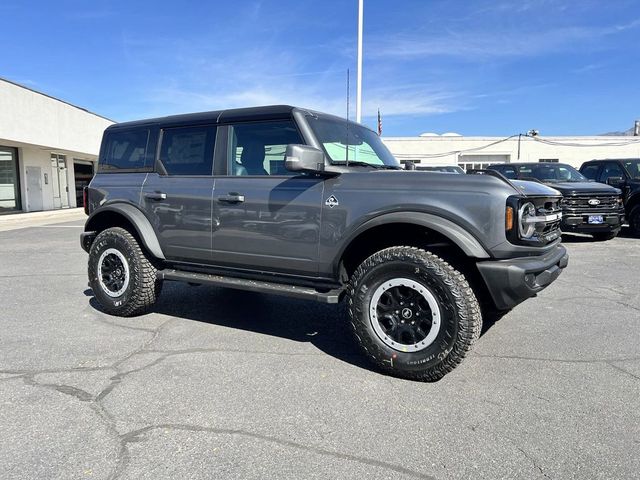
(113, 272)
(405, 314)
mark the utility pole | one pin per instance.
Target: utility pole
(359, 76)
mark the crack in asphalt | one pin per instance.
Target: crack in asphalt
(123, 457)
(623, 370)
(556, 360)
(138, 436)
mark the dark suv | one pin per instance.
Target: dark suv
(293, 202)
(587, 207)
(624, 174)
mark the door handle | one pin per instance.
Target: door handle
(156, 196)
(231, 198)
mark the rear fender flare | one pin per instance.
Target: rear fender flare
(140, 222)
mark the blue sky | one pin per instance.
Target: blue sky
(473, 67)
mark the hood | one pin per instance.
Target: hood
(577, 188)
(534, 188)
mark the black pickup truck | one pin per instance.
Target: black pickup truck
(623, 173)
(288, 201)
(587, 206)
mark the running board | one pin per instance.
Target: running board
(332, 296)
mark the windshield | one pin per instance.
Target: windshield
(552, 173)
(633, 167)
(344, 141)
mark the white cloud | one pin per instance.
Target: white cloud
(498, 42)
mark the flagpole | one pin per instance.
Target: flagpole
(359, 76)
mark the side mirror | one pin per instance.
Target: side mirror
(409, 165)
(303, 158)
(615, 181)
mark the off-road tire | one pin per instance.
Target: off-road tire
(604, 236)
(634, 221)
(461, 319)
(143, 288)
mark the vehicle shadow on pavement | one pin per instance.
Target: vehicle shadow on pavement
(324, 326)
(625, 232)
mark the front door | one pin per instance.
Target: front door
(177, 197)
(263, 217)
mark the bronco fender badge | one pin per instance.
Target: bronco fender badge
(332, 201)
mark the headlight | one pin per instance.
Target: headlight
(526, 220)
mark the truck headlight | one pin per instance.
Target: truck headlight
(526, 220)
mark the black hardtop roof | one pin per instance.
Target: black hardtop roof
(269, 112)
(526, 164)
(612, 160)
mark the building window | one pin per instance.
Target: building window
(481, 162)
(9, 180)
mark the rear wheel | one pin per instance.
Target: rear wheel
(412, 313)
(121, 276)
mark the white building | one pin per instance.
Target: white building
(48, 150)
(479, 152)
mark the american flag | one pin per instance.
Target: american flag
(379, 123)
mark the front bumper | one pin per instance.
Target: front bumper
(579, 222)
(512, 281)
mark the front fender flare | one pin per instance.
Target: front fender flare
(454, 232)
(140, 222)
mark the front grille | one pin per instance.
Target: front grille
(549, 230)
(590, 202)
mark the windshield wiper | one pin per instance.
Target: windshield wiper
(357, 163)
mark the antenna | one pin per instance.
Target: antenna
(347, 143)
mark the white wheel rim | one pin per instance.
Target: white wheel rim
(102, 272)
(406, 314)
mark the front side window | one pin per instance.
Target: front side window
(347, 141)
(125, 150)
(258, 148)
(611, 169)
(590, 171)
(188, 150)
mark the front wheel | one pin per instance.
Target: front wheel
(634, 221)
(414, 315)
(121, 276)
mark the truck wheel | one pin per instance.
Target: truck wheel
(634, 221)
(603, 236)
(413, 315)
(121, 276)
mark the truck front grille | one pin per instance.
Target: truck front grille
(590, 202)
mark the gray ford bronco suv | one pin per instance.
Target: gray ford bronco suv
(293, 202)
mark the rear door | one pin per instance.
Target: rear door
(177, 195)
(265, 218)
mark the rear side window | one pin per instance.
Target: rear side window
(125, 150)
(188, 150)
(590, 171)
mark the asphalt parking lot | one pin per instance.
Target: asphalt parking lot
(217, 383)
